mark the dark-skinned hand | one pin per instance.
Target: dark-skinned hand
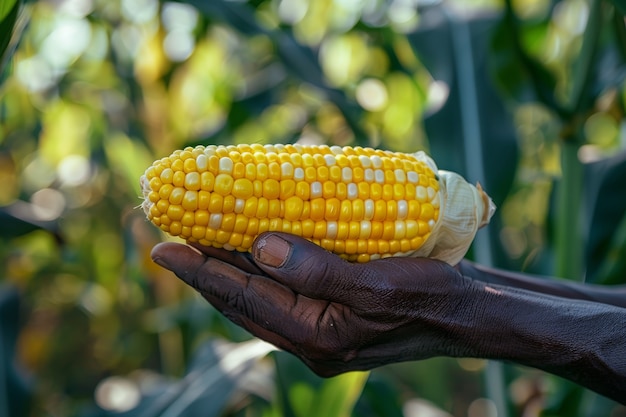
(338, 316)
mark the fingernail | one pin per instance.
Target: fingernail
(161, 262)
(272, 251)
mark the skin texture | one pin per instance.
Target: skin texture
(338, 316)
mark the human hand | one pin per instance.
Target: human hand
(334, 315)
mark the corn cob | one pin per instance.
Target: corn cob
(360, 203)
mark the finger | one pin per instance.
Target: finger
(309, 269)
(259, 304)
(242, 260)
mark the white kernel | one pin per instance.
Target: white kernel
(366, 162)
(316, 189)
(400, 231)
(298, 174)
(412, 177)
(379, 176)
(346, 174)
(431, 193)
(330, 160)
(435, 201)
(226, 165)
(368, 175)
(286, 170)
(228, 246)
(353, 191)
(337, 150)
(331, 230)
(269, 148)
(400, 176)
(368, 213)
(374, 256)
(403, 209)
(240, 203)
(279, 147)
(365, 229)
(215, 221)
(421, 194)
(376, 161)
(431, 224)
(202, 162)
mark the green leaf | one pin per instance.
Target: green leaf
(9, 29)
(620, 5)
(337, 396)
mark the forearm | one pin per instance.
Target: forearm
(614, 295)
(578, 340)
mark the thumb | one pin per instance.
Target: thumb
(305, 267)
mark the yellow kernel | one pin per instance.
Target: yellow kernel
(188, 219)
(252, 228)
(328, 189)
(285, 226)
(223, 184)
(155, 183)
(207, 181)
(165, 191)
(210, 235)
(271, 189)
(427, 212)
(274, 170)
(341, 191)
(333, 206)
(239, 170)
(178, 179)
(376, 192)
(414, 210)
(310, 174)
(162, 205)
(177, 165)
(167, 176)
(343, 229)
(262, 172)
(190, 201)
(383, 247)
(241, 224)
(293, 208)
(154, 212)
(228, 222)
(176, 228)
(236, 240)
(364, 190)
(250, 207)
(380, 210)
(153, 197)
(251, 171)
(318, 206)
(351, 246)
(204, 198)
(412, 229)
(372, 246)
(274, 209)
(423, 228)
(229, 204)
(345, 212)
(276, 224)
(175, 212)
(387, 192)
(165, 222)
(201, 217)
(243, 188)
(389, 229)
(303, 190)
(319, 231)
(287, 189)
(308, 227)
(328, 244)
(392, 210)
(358, 210)
(216, 203)
(263, 207)
(176, 196)
(222, 237)
(334, 173)
(189, 165)
(198, 232)
(322, 173)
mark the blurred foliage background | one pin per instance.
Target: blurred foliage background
(526, 97)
